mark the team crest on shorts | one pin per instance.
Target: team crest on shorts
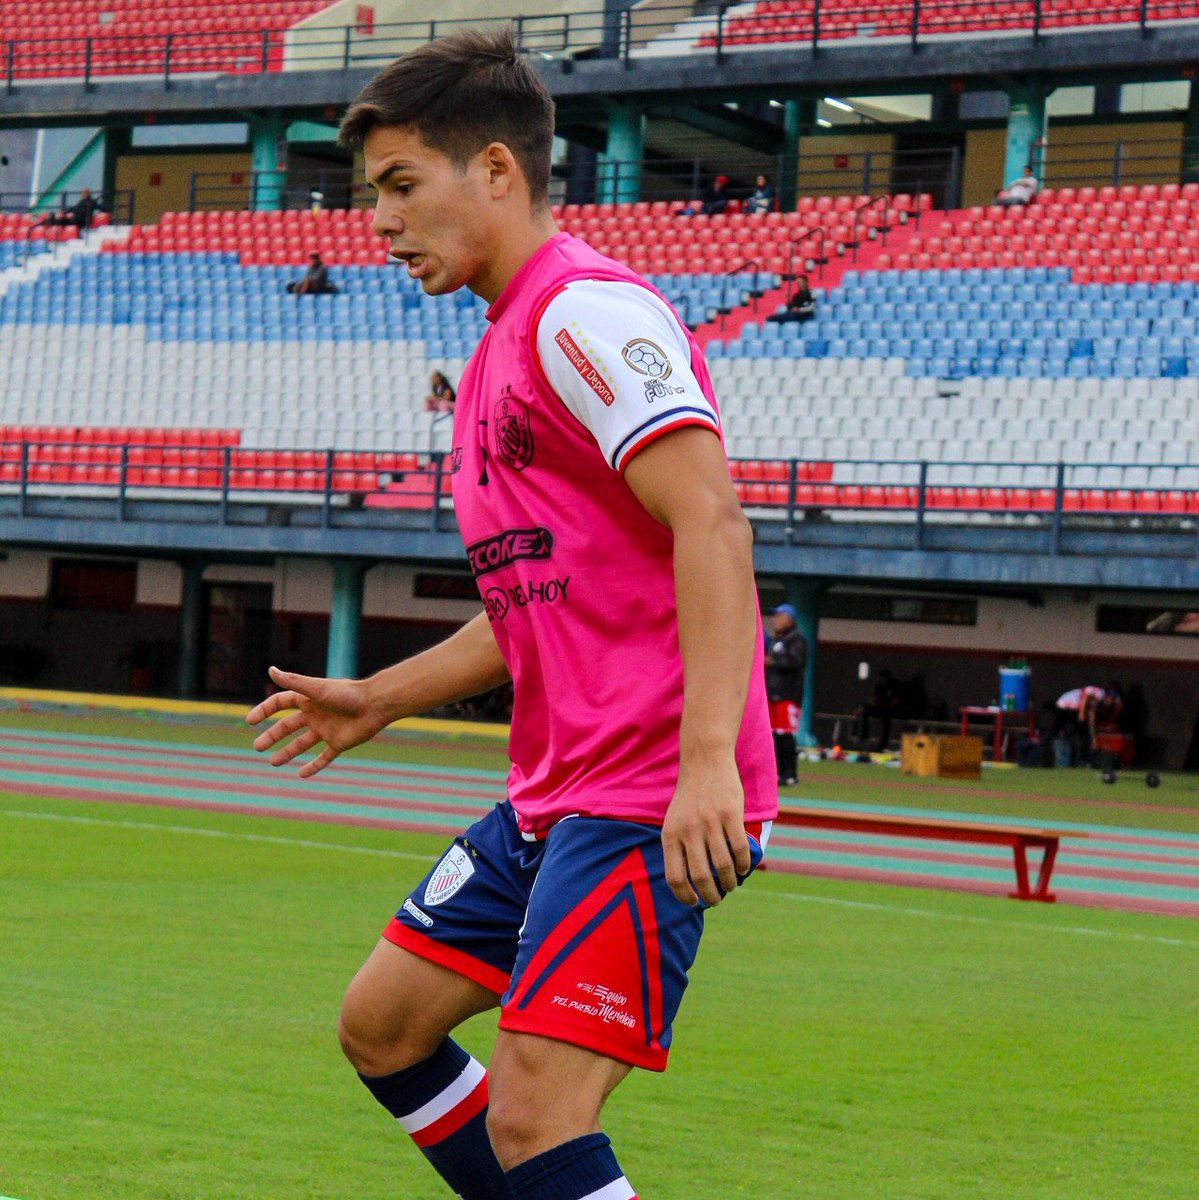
(513, 433)
(451, 873)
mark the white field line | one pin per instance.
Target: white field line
(800, 897)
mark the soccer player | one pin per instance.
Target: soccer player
(615, 568)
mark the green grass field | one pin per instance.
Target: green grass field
(172, 980)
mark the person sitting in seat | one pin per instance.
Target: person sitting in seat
(315, 281)
(1019, 191)
(761, 199)
(801, 304)
(81, 214)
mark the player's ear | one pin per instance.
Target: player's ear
(502, 170)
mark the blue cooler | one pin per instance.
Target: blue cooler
(1013, 689)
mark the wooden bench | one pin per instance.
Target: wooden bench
(1019, 837)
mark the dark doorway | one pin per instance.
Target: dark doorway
(932, 163)
(237, 639)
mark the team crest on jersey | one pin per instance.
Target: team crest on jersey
(451, 873)
(513, 433)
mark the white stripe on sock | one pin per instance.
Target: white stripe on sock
(619, 1190)
(444, 1101)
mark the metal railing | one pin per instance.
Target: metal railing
(54, 225)
(598, 32)
(327, 188)
(1118, 162)
(799, 500)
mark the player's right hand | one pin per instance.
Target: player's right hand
(338, 712)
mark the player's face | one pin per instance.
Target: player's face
(433, 214)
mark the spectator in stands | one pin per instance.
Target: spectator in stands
(1019, 191)
(714, 200)
(81, 214)
(315, 281)
(441, 395)
(800, 306)
(885, 704)
(786, 661)
(761, 199)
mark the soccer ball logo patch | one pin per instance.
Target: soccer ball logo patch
(451, 873)
(513, 434)
(647, 358)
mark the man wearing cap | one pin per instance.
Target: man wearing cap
(786, 660)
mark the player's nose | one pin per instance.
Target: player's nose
(386, 224)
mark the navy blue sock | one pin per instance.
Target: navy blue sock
(442, 1105)
(582, 1169)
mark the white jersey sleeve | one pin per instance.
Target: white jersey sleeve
(620, 361)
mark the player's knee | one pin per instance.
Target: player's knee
(378, 1044)
(515, 1129)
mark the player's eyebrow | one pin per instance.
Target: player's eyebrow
(387, 173)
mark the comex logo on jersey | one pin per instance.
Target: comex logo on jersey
(503, 548)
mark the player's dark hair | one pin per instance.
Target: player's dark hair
(461, 93)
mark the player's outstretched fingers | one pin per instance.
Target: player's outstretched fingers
(322, 760)
(295, 747)
(271, 705)
(282, 728)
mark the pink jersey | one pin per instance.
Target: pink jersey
(576, 577)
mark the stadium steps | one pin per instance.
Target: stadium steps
(729, 325)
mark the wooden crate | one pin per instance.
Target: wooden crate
(947, 756)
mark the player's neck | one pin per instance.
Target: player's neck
(515, 247)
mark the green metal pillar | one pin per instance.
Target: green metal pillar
(191, 628)
(624, 151)
(345, 619)
(268, 161)
(1190, 134)
(1026, 127)
(805, 595)
(798, 118)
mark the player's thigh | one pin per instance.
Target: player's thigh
(544, 1092)
(399, 1007)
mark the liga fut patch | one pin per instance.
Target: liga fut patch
(451, 873)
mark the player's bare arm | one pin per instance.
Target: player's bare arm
(683, 482)
(343, 713)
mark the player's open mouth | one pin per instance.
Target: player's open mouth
(414, 261)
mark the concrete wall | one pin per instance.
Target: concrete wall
(958, 664)
(820, 172)
(173, 172)
(982, 172)
(311, 43)
(1153, 152)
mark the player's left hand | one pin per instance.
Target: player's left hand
(703, 837)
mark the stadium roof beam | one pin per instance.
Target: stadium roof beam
(744, 130)
(698, 78)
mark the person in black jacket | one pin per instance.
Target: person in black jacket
(786, 661)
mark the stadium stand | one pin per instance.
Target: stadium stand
(796, 20)
(1013, 366)
(50, 38)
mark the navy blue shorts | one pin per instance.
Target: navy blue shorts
(579, 934)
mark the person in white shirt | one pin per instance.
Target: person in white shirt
(1019, 191)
